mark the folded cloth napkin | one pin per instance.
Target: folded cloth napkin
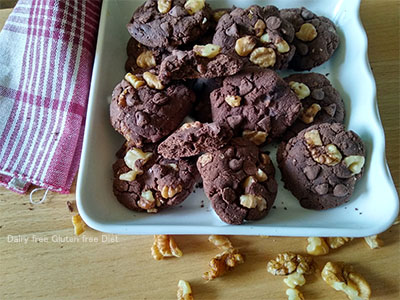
(46, 56)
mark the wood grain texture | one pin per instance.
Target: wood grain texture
(121, 267)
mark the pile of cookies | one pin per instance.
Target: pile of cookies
(218, 67)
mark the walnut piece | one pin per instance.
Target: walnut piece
(153, 81)
(209, 50)
(134, 80)
(220, 241)
(300, 89)
(253, 201)
(295, 279)
(193, 6)
(317, 246)
(222, 263)
(282, 46)
(337, 242)
(307, 32)
(79, 225)
(195, 124)
(164, 6)
(330, 155)
(294, 294)
(259, 27)
(373, 241)
(184, 291)
(261, 176)
(146, 60)
(205, 159)
(147, 201)
(308, 115)
(130, 159)
(343, 278)
(257, 137)
(265, 38)
(218, 14)
(313, 138)
(265, 160)
(233, 101)
(164, 246)
(288, 262)
(263, 57)
(354, 163)
(169, 192)
(249, 181)
(245, 45)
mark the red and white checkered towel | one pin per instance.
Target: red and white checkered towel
(46, 55)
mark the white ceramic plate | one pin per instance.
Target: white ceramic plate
(373, 206)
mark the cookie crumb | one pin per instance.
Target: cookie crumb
(70, 207)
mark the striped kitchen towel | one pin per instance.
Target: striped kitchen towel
(46, 56)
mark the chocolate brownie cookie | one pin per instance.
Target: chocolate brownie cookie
(143, 114)
(142, 58)
(316, 38)
(257, 35)
(195, 138)
(256, 104)
(203, 88)
(239, 181)
(145, 181)
(322, 164)
(202, 62)
(170, 23)
(321, 102)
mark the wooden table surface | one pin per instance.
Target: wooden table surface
(52, 265)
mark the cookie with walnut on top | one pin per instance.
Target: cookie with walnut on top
(322, 164)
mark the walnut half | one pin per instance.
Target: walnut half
(342, 277)
(220, 241)
(164, 246)
(288, 262)
(222, 263)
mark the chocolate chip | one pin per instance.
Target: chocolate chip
(306, 14)
(322, 189)
(340, 190)
(302, 49)
(318, 94)
(312, 172)
(274, 23)
(235, 164)
(228, 195)
(141, 118)
(249, 167)
(330, 109)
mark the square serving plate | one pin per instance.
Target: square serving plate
(372, 208)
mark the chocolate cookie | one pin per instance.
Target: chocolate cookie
(145, 114)
(321, 102)
(145, 181)
(203, 88)
(195, 138)
(321, 165)
(239, 181)
(170, 23)
(256, 104)
(257, 35)
(316, 38)
(142, 58)
(201, 62)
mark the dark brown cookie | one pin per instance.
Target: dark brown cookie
(257, 35)
(146, 115)
(321, 102)
(239, 181)
(178, 22)
(142, 58)
(321, 165)
(194, 138)
(145, 181)
(189, 64)
(316, 38)
(257, 104)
